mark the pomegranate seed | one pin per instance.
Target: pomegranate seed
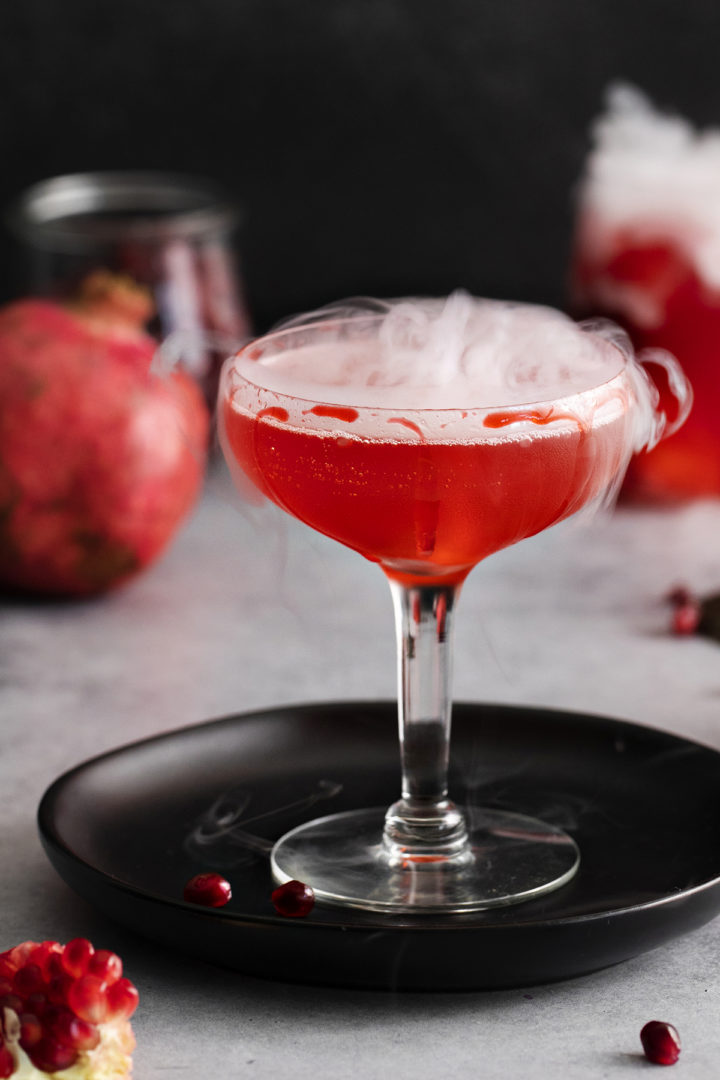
(660, 1042)
(6, 986)
(28, 980)
(7, 1062)
(36, 1004)
(56, 1022)
(54, 967)
(87, 999)
(30, 1030)
(51, 1056)
(679, 595)
(70, 1030)
(208, 889)
(686, 618)
(19, 954)
(7, 970)
(42, 956)
(293, 899)
(59, 988)
(83, 1035)
(122, 999)
(75, 957)
(106, 965)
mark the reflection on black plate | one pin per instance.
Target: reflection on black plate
(127, 829)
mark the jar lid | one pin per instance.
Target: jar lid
(80, 210)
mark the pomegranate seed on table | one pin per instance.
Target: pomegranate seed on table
(209, 889)
(679, 595)
(686, 618)
(660, 1042)
(294, 899)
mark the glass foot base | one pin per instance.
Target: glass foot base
(342, 857)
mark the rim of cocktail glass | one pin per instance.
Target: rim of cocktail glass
(606, 329)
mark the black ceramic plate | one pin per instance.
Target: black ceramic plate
(127, 829)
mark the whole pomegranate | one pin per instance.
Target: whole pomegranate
(99, 459)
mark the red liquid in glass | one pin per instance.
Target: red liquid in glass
(429, 511)
(651, 287)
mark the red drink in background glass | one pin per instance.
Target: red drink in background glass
(647, 254)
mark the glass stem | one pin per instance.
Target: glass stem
(424, 825)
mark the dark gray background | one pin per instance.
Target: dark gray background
(378, 146)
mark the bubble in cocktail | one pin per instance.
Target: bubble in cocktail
(647, 253)
(427, 435)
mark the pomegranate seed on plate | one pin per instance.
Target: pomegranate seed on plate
(293, 899)
(208, 889)
(660, 1042)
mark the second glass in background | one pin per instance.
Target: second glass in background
(647, 254)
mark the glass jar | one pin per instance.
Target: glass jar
(170, 233)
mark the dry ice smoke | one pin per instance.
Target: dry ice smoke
(655, 172)
(457, 352)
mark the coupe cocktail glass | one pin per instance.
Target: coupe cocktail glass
(426, 436)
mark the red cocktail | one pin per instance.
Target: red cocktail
(647, 253)
(426, 436)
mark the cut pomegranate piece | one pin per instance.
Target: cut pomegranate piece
(209, 889)
(660, 1042)
(54, 1019)
(294, 899)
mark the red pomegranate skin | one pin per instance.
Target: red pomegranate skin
(100, 461)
